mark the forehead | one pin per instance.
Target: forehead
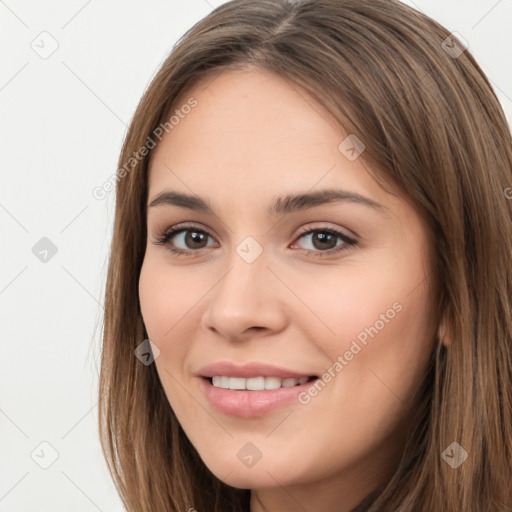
(256, 128)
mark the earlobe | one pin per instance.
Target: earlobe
(443, 334)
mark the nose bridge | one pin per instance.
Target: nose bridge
(243, 284)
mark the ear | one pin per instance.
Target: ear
(443, 332)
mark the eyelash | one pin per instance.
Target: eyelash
(164, 237)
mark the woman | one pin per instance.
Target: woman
(308, 296)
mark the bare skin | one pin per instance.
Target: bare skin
(300, 304)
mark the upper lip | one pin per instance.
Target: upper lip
(248, 370)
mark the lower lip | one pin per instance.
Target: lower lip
(250, 404)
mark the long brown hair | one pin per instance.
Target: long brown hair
(431, 124)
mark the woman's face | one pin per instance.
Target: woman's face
(295, 261)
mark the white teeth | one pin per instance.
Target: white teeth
(255, 383)
(236, 383)
(288, 383)
(272, 382)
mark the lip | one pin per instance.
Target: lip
(250, 404)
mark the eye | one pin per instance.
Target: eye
(190, 238)
(187, 240)
(326, 241)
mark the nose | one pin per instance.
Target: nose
(248, 300)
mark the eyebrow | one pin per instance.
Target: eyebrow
(282, 205)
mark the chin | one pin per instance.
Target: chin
(248, 479)
(265, 473)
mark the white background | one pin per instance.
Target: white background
(63, 122)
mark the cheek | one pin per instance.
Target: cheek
(349, 301)
(152, 298)
(167, 304)
(374, 320)
(165, 298)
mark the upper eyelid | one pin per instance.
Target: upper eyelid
(304, 229)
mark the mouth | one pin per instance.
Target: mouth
(252, 389)
(253, 397)
(258, 383)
